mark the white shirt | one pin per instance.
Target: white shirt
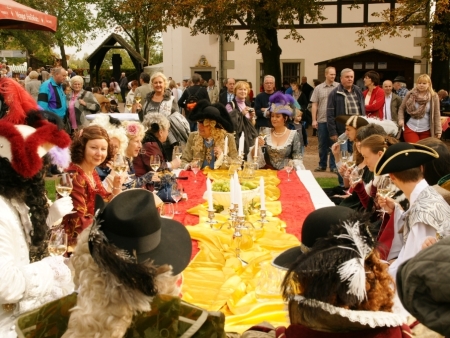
(387, 107)
(420, 125)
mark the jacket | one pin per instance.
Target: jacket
(396, 102)
(32, 88)
(196, 90)
(422, 286)
(337, 105)
(376, 103)
(51, 97)
(92, 107)
(435, 114)
(213, 94)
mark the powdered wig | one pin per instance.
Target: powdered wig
(133, 129)
(78, 146)
(155, 123)
(113, 128)
(105, 307)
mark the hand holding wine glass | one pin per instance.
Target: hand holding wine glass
(385, 190)
(64, 185)
(356, 176)
(178, 151)
(120, 164)
(57, 244)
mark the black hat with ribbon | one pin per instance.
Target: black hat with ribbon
(316, 225)
(129, 231)
(403, 156)
(204, 110)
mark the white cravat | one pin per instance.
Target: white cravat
(387, 107)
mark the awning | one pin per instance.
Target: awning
(17, 16)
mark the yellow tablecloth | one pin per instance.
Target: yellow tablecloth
(216, 280)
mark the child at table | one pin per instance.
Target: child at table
(300, 128)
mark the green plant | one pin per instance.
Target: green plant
(327, 182)
(51, 189)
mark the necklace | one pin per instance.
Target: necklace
(279, 134)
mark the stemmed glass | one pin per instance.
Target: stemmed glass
(288, 165)
(264, 131)
(155, 162)
(356, 175)
(166, 210)
(138, 97)
(344, 156)
(64, 185)
(195, 167)
(385, 189)
(129, 105)
(57, 244)
(178, 151)
(120, 164)
(177, 194)
(342, 139)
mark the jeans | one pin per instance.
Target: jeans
(324, 146)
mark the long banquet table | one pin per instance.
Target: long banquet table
(215, 279)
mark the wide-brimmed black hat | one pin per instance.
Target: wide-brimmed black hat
(217, 112)
(132, 223)
(403, 156)
(354, 121)
(316, 225)
(399, 79)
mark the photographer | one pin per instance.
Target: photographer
(242, 115)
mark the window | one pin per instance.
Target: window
(291, 71)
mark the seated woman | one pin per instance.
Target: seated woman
(341, 288)
(89, 149)
(242, 116)
(281, 143)
(157, 126)
(208, 143)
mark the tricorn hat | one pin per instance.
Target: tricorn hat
(217, 112)
(354, 121)
(316, 225)
(399, 79)
(404, 156)
(131, 223)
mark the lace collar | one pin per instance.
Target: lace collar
(287, 143)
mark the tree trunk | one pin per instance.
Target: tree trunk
(440, 71)
(440, 74)
(62, 49)
(271, 52)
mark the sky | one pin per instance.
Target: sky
(88, 47)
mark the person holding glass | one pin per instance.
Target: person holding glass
(281, 143)
(213, 140)
(89, 149)
(157, 126)
(420, 112)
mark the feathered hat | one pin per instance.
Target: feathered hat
(24, 146)
(282, 104)
(15, 101)
(333, 271)
(128, 231)
(217, 112)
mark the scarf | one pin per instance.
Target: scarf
(421, 100)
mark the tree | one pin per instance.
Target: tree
(399, 22)
(260, 18)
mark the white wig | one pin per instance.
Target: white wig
(113, 131)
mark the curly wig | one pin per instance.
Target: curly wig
(32, 192)
(317, 274)
(78, 146)
(217, 134)
(105, 307)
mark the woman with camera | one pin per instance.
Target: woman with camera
(242, 115)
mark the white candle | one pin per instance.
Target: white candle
(256, 146)
(231, 192)
(240, 206)
(262, 195)
(241, 144)
(236, 183)
(209, 194)
(225, 148)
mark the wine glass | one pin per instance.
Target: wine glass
(288, 166)
(129, 105)
(119, 164)
(166, 210)
(64, 185)
(57, 244)
(177, 194)
(344, 156)
(138, 97)
(264, 131)
(385, 189)
(155, 162)
(356, 175)
(195, 167)
(342, 139)
(178, 151)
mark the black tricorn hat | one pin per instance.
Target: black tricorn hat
(354, 121)
(316, 225)
(399, 79)
(217, 112)
(131, 222)
(403, 156)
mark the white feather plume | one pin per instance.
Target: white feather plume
(389, 126)
(352, 271)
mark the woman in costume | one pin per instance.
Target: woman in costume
(281, 143)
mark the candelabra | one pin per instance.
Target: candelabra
(262, 214)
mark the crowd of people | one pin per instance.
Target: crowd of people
(391, 203)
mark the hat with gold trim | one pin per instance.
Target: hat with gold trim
(403, 156)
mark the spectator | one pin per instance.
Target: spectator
(33, 85)
(123, 84)
(392, 103)
(51, 95)
(373, 95)
(262, 102)
(400, 86)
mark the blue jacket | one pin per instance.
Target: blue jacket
(337, 105)
(51, 97)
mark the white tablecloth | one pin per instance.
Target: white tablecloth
(318, 196)
(119, 116)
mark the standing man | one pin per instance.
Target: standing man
(196, 90)
(262, 102)
(213, 91)
(391, 103)
(319, 101)
(228, 95)
(306, 87)
(345, 99)
(399, 85)
(143, 89)
(51, 95)
(123, 84)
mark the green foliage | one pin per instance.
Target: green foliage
(126, 61)
(50, 187)
(327, 182)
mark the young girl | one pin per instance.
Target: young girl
(298, 125)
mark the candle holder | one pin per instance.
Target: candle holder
(211, 220)
(233, 212)
(255, 162)
(226, 161)
(262, 214)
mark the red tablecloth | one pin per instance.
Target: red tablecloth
(295, 202)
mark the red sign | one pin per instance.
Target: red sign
(17, 16)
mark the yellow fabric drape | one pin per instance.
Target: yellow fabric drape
(216, 280)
